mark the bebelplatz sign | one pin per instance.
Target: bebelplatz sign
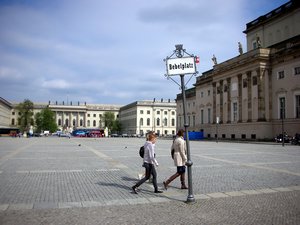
(184, 65)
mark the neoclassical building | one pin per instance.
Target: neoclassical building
(140, 117)
(255, 95)
(137, 118)
(76, 116)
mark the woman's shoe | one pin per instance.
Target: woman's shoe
(165, 185)
(134, 190)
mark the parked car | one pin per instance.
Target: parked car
(278, 138)
(296, 139)
(114, 135)
(79, 133)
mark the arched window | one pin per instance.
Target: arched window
(81, 122)
(67, 122)
(173, 122)
(141, 122)
(157, 122)
(59, 122)
(94, 123)
(148, 122)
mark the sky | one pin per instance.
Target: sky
(113, 51)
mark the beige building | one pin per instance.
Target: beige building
(5, 113)
(76, 116)
(140, 117)
(255, 95)
(137, 118)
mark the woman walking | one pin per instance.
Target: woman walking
(149, 163)
(180, 159)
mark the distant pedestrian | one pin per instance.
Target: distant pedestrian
(179, 158)
(149, 162)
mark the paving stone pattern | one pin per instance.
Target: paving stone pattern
(88, 181)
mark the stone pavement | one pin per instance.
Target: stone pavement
(87, 181)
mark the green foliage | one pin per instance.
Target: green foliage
(117, 127)
(109, 118)
(25, 119)
(111, 123)
(45, 120)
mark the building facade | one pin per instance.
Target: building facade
(255, 95)
(140, 117)
(137, 118)
(78, 116)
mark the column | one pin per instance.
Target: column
(240, 98)
(249, 88)
(261, 95)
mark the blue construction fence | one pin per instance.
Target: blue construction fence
(196, 135)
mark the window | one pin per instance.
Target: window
(254, 80)
(94, 123)
(94, 115)
(148, 112)
(234, 111)
(245, 83)
(158, 112)
(225, 88)
(67, 122)
(194, 120)
(208, 93)
(81, 122)
(100, 115)
(202, 116)
(157, 122)
(88, 115)
(88, 123)
(297, 70)
(13, 113)
(59, 122)
(74, 122)
(141, 111)
(280, 75)
(173, 113)
(12, 121)
(297, 106)
(208, 115)
(173, 122)
(148, 122)
(141, 122)
(165, 122)
(165, 112)
(282, 107)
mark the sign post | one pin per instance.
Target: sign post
(182, 66)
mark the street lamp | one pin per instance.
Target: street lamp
(181, 66)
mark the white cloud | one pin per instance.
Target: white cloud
(56, 84)
(112, 51)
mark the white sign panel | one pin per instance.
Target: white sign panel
(179, 66)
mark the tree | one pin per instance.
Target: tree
(117, 126)
(45, 120)
(109, 118)
(25, 119)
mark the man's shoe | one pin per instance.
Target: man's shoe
(134, 190)
(184, 187)
(158, 191)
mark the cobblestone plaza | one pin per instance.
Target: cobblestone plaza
(88, 181)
